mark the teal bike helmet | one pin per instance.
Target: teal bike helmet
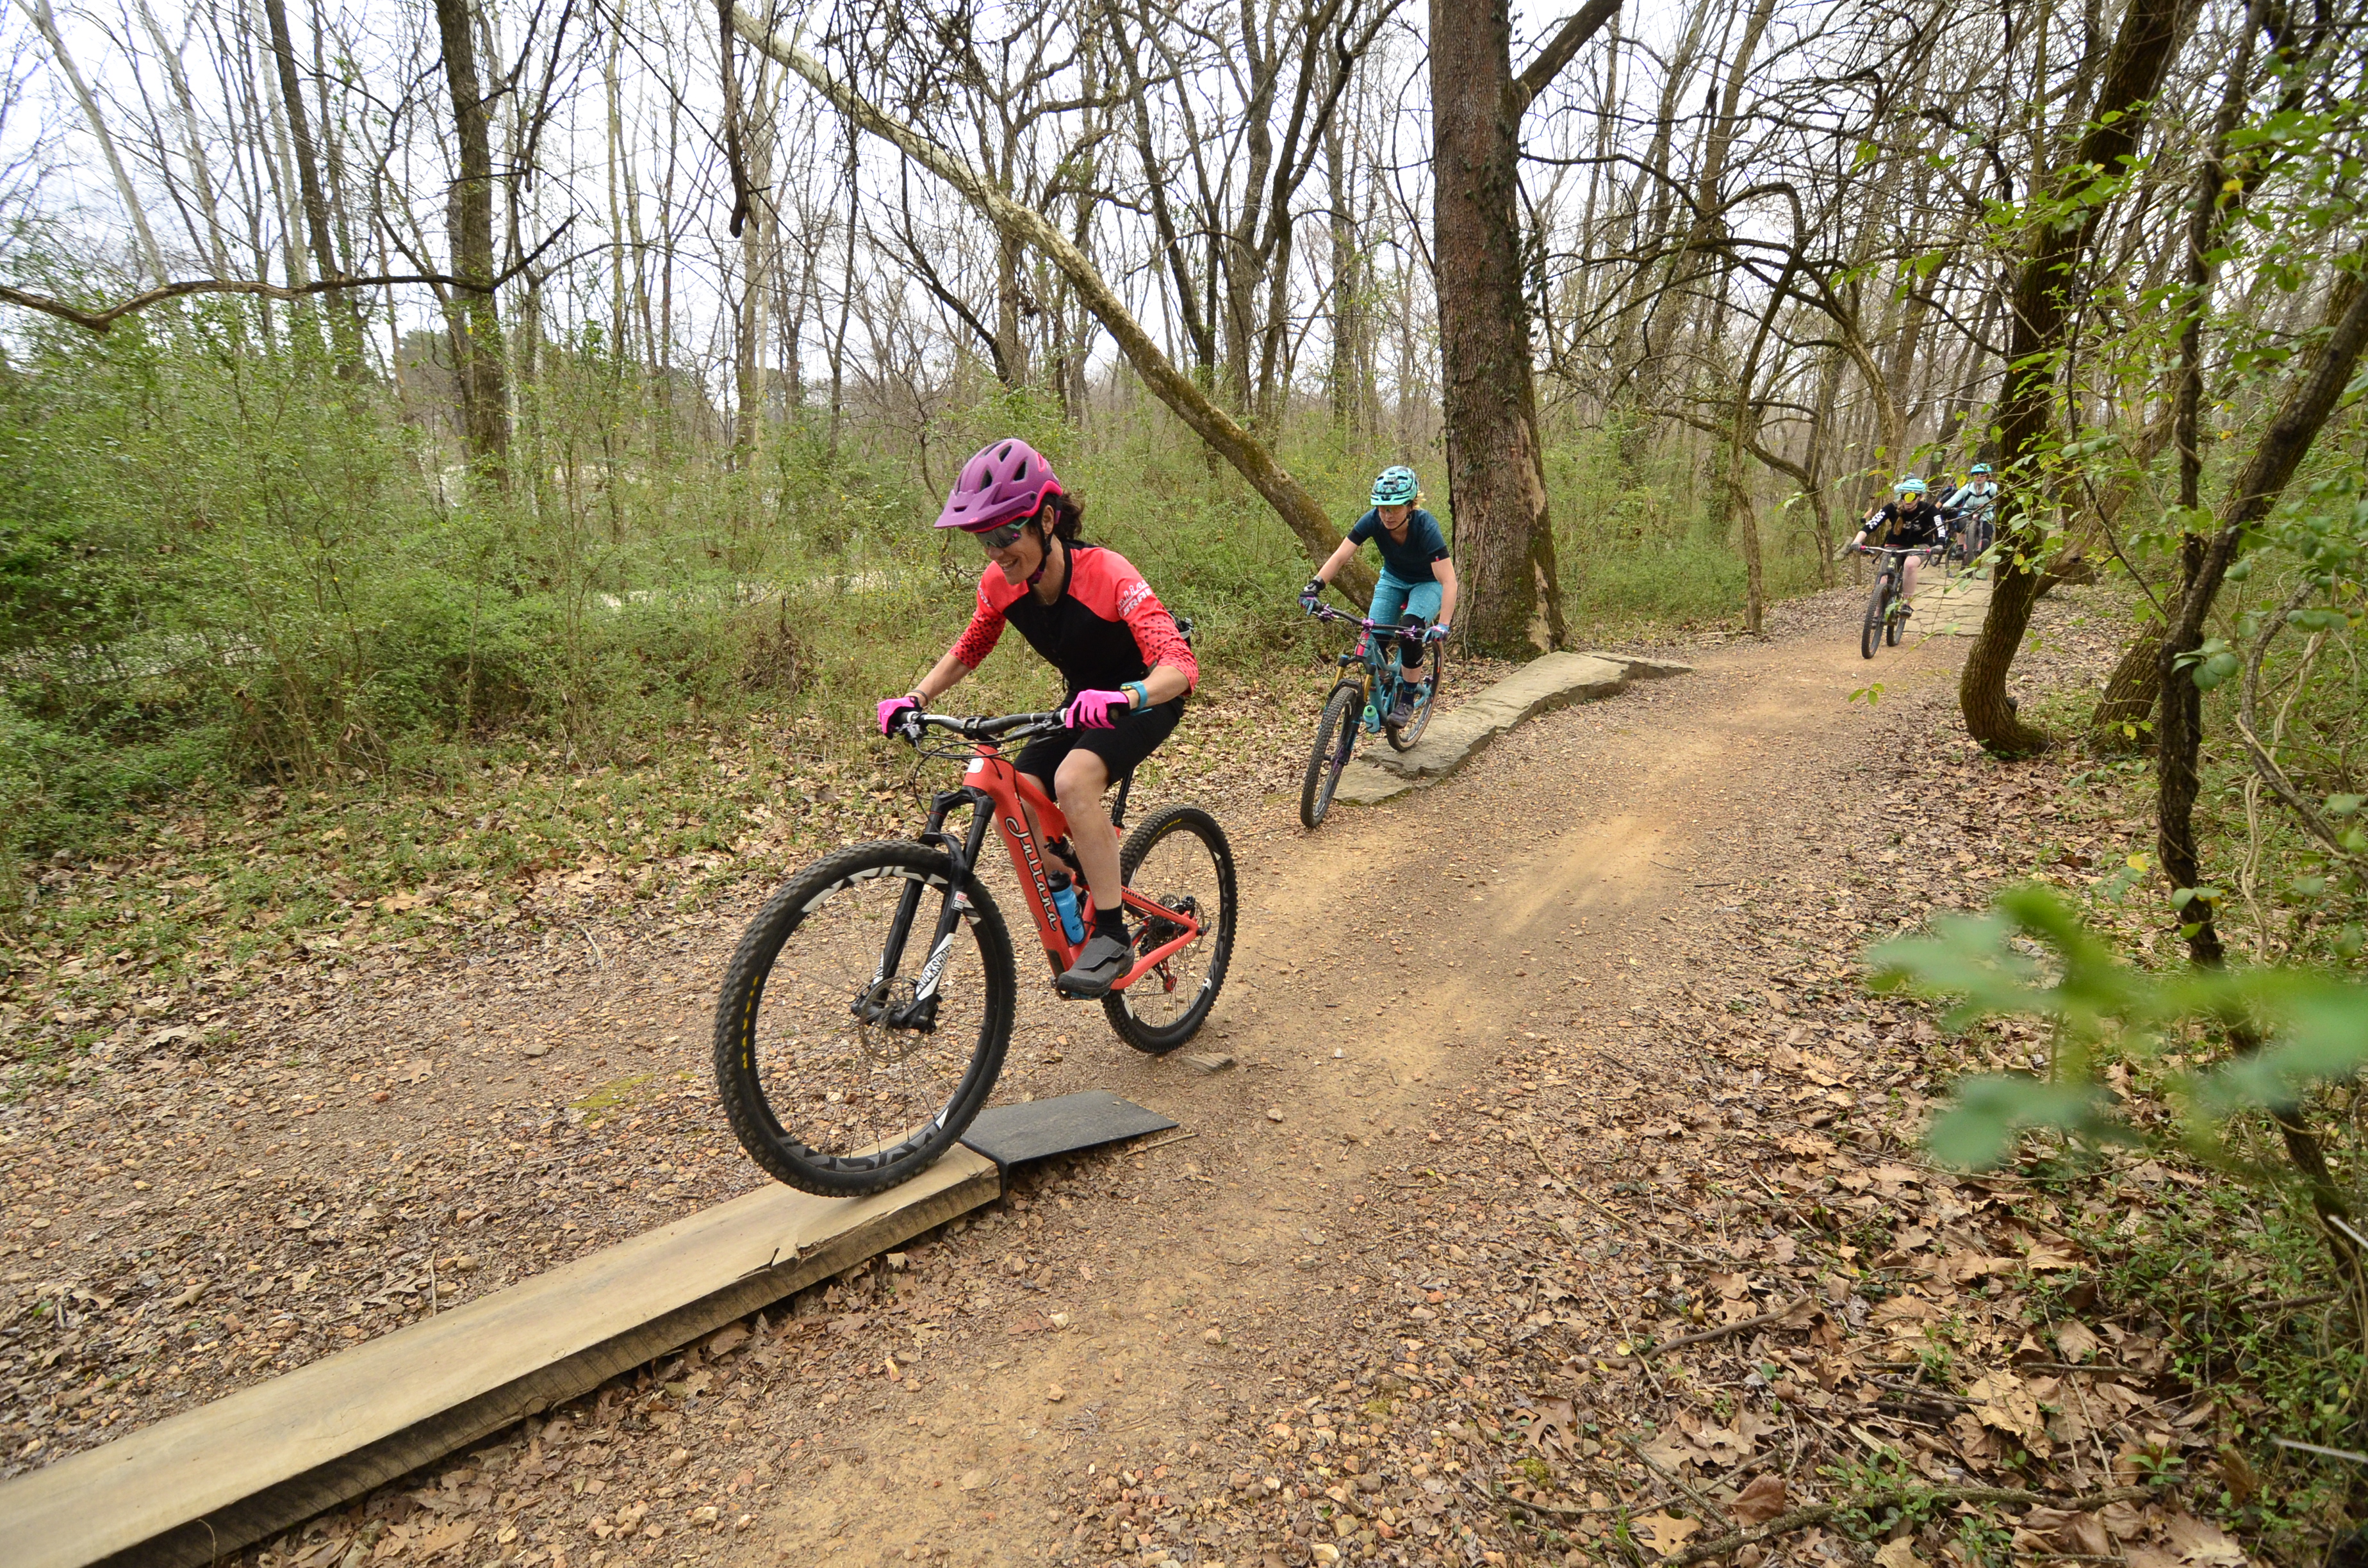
(1910, 487)
(1981, 467)
(1397, 487)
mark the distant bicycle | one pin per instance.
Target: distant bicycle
(1974, 537)
(866, 1013)
(1886, 612)
(1365, 697)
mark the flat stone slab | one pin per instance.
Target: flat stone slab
(1555, 680)
(1951, 610)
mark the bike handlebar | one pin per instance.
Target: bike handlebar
(1325, 612)
(912, 724)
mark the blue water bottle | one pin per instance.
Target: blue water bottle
(1064, 899)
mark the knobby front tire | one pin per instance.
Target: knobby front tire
(1176, 857)
(1336, 737)
(1878, 604)
(822, 1089)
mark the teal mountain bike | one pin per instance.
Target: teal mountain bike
(1364, 699)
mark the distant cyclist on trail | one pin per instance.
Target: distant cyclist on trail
(1978, 499)
(1907, 521)
(1123, 660)
(1417, 582)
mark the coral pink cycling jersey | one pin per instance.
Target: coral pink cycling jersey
(1105, 629)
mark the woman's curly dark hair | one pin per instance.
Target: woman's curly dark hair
(1068, 515)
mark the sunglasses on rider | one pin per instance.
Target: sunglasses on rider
(1005, 537)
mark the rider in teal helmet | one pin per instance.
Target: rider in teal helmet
(1396, 486)
(1417, 585)
(1909, 520)
(1977, 500)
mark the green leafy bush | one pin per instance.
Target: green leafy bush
(2031, 956)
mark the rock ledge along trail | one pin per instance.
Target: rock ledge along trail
(1455, 736)
(1518, 1062)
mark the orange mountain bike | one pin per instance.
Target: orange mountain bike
(851, 1055)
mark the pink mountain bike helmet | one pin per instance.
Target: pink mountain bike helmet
(1001, 483)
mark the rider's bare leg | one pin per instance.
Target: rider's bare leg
(1078, 785)
(1907, 576)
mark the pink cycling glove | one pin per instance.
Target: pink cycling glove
(1095, 709)
(889, 707)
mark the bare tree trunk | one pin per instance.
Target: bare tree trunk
(1646, 373)
(1188, 296)
(2179, 760)
(1743, 428)
(619, 350)
(845, 293)
(2129, 696)
(662, 340)
(38, 12)
(474, 315)
(758, 236)
(2283, 446)
(2136, 682)
(345, 319)
(2041, 309)
(193, 145)
(1496, 469)
(1010, 347)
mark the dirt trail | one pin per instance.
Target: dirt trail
(1383, 961)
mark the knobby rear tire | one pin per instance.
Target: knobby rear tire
(1895, 620)
(739, 1048)
(1335, 738)
(1168, 823)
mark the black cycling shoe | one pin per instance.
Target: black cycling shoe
(1403, 714)
(1101, 964)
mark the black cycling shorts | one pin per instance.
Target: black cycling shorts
(1120, 746)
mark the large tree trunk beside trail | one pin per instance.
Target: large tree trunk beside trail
(1495, 470)
(1495, 465)
(2040, 312)
(1184, 396)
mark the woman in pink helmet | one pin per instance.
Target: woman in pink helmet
(1090, 613)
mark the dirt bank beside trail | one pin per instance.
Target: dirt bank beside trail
(1564, 1051)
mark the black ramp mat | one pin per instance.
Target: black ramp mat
(1014, 1134)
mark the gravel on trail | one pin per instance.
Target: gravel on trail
(1565, 1193)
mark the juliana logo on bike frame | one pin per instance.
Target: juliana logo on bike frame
(1035, 866)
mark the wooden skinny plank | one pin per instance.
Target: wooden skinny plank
(211, 1480)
